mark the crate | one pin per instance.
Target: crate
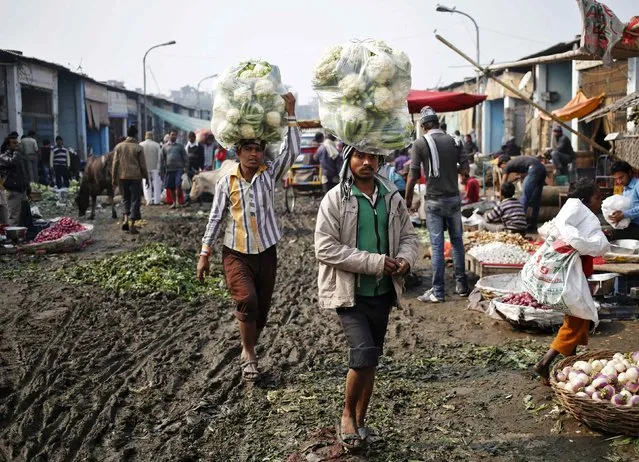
(482, 269)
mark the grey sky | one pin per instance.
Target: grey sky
(110, 37)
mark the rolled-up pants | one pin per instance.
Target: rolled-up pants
(131, 195)
(153, 189)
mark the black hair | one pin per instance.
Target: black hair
(507, 190)
(503, 159)
(58, 138)
(31, 133)
(12, 136)
(319, 137)
(191, 133)
(621, 166)
(46, 141)
(431, 125)
(331, 137)
(583, 189)
(457, 133)
(132, 131)
(443, 126)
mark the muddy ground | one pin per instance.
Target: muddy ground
(89, 375)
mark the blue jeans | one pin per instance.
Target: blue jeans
(531, 194)
(445, 210)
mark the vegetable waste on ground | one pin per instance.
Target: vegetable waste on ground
(154, 268)
(363, 88)
(248, 104)
(614, 381)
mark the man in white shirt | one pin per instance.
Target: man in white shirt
(152, 185)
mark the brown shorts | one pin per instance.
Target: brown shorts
(251, 278)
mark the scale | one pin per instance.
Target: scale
(611, 305)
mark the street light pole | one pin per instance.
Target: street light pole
(172, 42)
(445, 9)
(198, 93)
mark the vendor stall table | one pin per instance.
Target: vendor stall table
(482, 269)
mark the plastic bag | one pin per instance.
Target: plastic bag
(186, 182)
(614, 203)
(362, 89)
(554, 275)
(247, 104)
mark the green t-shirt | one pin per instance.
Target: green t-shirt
(372, 236)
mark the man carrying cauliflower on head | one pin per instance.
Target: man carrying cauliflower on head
(246, 196)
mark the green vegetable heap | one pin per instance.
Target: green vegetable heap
(363, 88)
(155, 268)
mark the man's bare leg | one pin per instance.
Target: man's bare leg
(358, 381)
(249, 334)
(365, 397)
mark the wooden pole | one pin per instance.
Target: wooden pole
(522, 96)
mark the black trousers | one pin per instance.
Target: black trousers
(61, 176)
(131, 195)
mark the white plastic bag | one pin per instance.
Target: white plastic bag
(554, 275)
(616, 203)
(186, 182)
(362, 88)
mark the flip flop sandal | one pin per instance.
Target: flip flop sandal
(369, 436)
(347, 440)
(250, 372)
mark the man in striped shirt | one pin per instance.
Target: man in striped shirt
(249, 255)
(60, 163)
(509, 214)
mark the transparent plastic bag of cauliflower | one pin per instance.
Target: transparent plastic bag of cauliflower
(247, 104)
(612, 204)
(362, 88)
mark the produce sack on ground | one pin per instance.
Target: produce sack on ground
(614, 203)
(247, 104)
(362, 89)
(554, 275)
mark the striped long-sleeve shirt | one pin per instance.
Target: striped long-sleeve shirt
(510, 212)
(252, 227)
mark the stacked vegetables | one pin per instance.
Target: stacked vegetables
(363, 87)
(63, 227)
(248, 104)
(524, 299)
(484, 237)
(615, 381)
(497, 252)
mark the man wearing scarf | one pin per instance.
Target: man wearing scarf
(442, 158)
(331, 162)
(365, 244)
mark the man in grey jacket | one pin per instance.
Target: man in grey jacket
(442, 158)
(173, 166)
(365, 244)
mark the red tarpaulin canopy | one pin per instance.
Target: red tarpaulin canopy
(442, 101)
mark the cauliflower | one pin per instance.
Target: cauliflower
(383, 99)
(401, 61)
(227, 82)
(324, 71)
(273, 119)
(242, 94)
(353, 113)
(247, 132)
(382, 46)
(247, 74)
(261, 69)
(226, 133)
(380, 68)
(263, 88)
(400, 90)
(233, 115)
(351, 86)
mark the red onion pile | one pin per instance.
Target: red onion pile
(63, 227)
(524, 299)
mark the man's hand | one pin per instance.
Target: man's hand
(402, 268)
(390, 266)
(617, 216)
(289, 100)
(203, 267)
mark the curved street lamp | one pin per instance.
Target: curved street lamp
(172, 42)
(445, 9)
(199, 115)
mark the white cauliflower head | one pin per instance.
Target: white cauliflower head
(247, 74)
(352, 113)
(264, 88)
(261, 69)
(324, 71)
(233, 115)
(380, 68)
(383, 99)
(352, 85)
(273, 119)
(401, 61)
(242, 94)
(247, 132)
